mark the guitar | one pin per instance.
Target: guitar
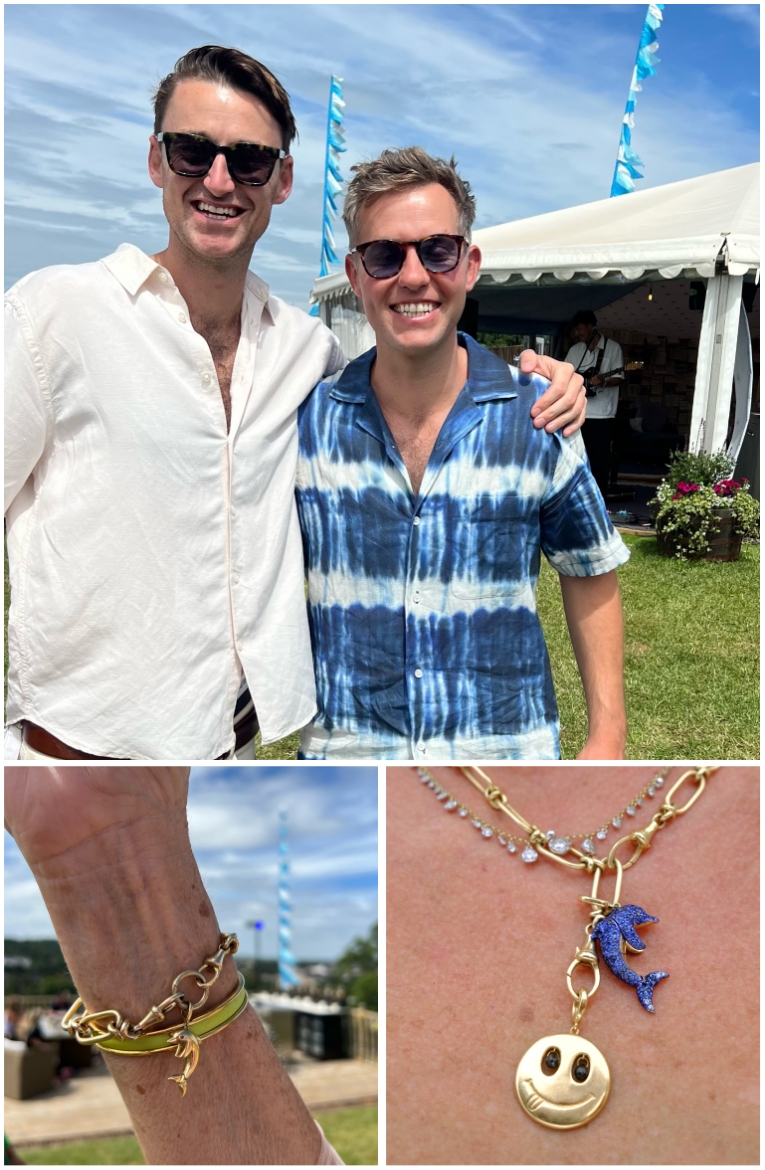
(591, 391)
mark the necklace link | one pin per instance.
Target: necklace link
(495, 796)
(578, 1009)
(699, 775)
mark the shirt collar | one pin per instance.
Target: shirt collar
(132, 268)
(489, 377)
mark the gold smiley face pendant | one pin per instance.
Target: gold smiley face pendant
(563, 1081)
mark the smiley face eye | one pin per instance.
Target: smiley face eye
(551, 1061)
(581, 1068)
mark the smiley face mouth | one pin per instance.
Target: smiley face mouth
(533, 1099)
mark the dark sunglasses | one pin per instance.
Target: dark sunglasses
(192, 155)
(385, 258)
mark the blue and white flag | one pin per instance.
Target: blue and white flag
(627, 160)
(287, 975)
(333, 180)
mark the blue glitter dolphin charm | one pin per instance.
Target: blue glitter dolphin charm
(621, 923)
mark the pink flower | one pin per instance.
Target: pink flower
(726, 487)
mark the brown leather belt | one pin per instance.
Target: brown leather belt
(46, 744)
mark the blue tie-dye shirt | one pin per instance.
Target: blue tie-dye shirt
(425, 633)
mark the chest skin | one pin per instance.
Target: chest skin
(223, 342)
(415, 439)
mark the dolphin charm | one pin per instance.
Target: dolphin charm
(610, 931)
(188, 1049)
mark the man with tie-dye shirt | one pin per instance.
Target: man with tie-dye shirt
(425, 495)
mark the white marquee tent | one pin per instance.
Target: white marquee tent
(704, 228)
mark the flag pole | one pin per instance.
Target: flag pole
(333, 179)
(627, 160)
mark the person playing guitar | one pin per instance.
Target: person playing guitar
(591, 354)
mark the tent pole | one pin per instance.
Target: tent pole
(714, 369)
(743, 376)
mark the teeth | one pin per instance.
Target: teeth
(223, 212)
(416, 309)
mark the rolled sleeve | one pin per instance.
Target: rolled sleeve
(577, 535)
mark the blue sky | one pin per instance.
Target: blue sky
(529, 98)
(233, 822)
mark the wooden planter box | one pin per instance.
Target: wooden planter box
(724, 546)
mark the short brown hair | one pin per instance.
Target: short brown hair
(235, 68)
(395, 170)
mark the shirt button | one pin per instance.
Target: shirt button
(239, 645)
(416, 597)
(237, 578)
(205, 378)
(416, 521)
(421, 746)
(233, 510)
(164, 277)
(418, 673)
(182, 318)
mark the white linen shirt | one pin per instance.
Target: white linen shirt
(153, 556)
(606, 399)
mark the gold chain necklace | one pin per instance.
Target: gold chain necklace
(563, 1080)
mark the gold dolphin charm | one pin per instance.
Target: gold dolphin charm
(188, 1050)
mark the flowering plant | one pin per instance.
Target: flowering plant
(696, 494)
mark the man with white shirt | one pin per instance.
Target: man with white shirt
(595, 357)
(151, 442)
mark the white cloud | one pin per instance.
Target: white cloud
(499, 85)
(234, 826)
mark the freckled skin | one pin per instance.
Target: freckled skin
(506, 938)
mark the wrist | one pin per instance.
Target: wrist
(606, 743)
(129, 924)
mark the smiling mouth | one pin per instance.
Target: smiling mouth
(415, 308)
(536, 1099)
(218, 212)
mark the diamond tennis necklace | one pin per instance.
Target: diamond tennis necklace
(555, 842)
(563, 1080)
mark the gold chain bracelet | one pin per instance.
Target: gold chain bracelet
(110, 1030)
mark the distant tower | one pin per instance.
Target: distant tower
(287, 976)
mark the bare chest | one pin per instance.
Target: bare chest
(223, 344)
(415, 442)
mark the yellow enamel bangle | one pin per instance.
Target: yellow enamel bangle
(126, 1039)
(184, 1039)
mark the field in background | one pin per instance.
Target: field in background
(352, 1132)
(692, 658)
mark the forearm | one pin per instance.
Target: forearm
(594, 617)
(131, 912)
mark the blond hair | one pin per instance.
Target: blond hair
(395, 170)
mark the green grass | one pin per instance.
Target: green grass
(283, 749)
(115, 1151)
(353, 1133)
(692, 656)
